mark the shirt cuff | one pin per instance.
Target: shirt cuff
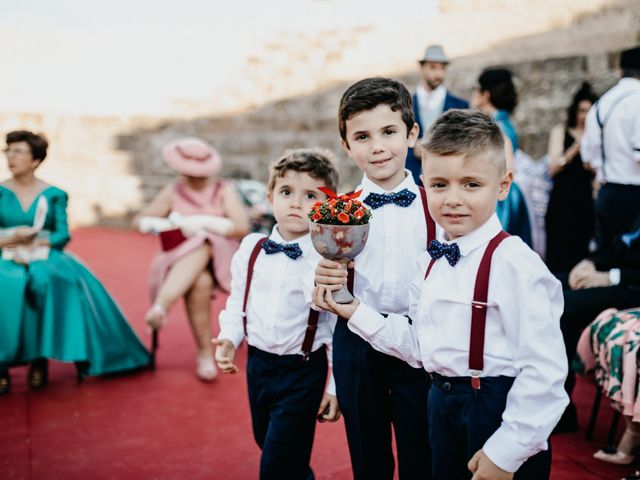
(365, 321)
(331, 385)
(505, 452)
(614, 276)
(236, 336)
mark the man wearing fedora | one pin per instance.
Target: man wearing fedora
(431, 98)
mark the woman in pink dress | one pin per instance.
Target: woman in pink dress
(200, 219)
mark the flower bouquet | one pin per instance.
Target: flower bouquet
(339, 230)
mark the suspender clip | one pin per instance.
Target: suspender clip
(477, 304)
(475, 379)
(305, 356)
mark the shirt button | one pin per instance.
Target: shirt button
(446, 386)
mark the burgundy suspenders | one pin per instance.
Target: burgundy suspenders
(431, 225)
(312, 324)
(479, 309)
(431, 233)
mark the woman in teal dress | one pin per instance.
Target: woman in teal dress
(52, 307)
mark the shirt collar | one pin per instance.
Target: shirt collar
(368, 186)
(303, 242)
(423, 94)
(477, 238)
(629, 83)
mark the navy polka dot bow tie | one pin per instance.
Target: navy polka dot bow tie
(403, 198)
(291, 250)
(451, 252)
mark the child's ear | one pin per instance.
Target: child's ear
(412, 136)
(505, 185)
(422, 178)
(345, 146)
(270, 197)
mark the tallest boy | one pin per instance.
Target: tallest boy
(376, 390)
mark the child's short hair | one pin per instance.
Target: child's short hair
(318, 163)
(367, 94)
(468, 133)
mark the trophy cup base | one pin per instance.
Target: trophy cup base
(342, 296)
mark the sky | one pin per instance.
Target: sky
(127, 57)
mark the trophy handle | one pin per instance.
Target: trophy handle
(343, 295)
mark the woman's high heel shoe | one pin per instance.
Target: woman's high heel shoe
(39, 374)
(5, 382)
(627, 449)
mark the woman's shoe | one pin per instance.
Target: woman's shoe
(38, 373)
(206, 369)
(5, 382)
(619, 458)
(156, 316)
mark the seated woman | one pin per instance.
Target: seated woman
(52, 306)
(609, 346)
(496, 96)
(201, 217)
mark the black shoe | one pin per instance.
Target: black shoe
(5, 381)
(569, 420)
(39, 373)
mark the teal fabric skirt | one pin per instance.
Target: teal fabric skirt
(57, 309)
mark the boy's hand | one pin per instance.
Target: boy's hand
(484, 469)
(323, 298)
(330, 275)
(329, 410)
(225, 355)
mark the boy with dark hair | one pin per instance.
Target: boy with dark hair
(287, 362)
(495, 396)
(376, 391)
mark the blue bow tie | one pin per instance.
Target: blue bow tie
(403, 198)
(291, 250)
(451, 252)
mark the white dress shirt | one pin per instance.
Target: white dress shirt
(621, 135)
(278, 305)
(385, 269)
(523, 338)
(430, 104)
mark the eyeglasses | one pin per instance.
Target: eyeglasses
(15, 151)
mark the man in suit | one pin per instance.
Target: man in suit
(431, 98)
(610, 279)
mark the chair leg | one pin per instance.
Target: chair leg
(594, 414)
(154, 347)
(610, 446)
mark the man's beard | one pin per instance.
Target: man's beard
(433, 84)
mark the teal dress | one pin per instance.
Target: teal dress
(56, 308)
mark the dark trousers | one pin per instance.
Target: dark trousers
(462, 419)
(617, 208)
(582, 306)
(284, 395)
(375, 391)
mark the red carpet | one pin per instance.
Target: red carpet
(168, 425)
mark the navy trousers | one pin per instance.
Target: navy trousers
(375, 391)
(284, 395)
(617, 208)
(461, 421)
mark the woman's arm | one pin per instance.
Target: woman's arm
(236, 211)
(559, 158)
(160, 206)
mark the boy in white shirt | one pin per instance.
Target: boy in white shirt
(376, 390)
(288, 343)
(493, 404)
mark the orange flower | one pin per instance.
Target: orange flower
(317, 205)
(358, 214)
(333, 202)
(343, 217)
(317, 216)
(347, 207)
